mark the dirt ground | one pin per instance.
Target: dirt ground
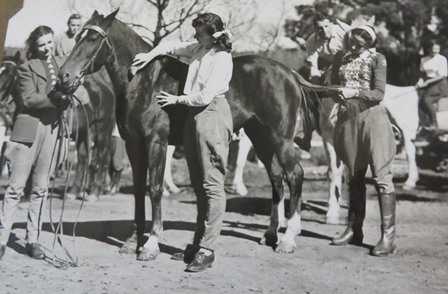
(242, 265)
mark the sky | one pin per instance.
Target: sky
(54, 13)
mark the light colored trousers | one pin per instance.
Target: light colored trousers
(33, 160)
(206, 140)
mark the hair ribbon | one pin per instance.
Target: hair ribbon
(218, 34)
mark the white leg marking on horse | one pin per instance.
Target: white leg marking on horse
(243, 151)
(282, 222)
(335, 177)
(169, 185)
(287, 243)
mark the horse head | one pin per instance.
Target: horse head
(8, 77)
(91, 52)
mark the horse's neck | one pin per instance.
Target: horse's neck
(126, 44)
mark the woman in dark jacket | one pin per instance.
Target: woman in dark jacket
(363, 135)
(35, 133)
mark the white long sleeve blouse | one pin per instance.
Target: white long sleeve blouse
(209, 72)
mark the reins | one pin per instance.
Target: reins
(58, 230)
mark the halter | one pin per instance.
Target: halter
(105, 39)
(10, 85)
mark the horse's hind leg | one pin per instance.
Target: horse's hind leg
(265, 152)
(335, 174)
(288, 158)
(168, 183)
(138, 160)
(243, 152)
(156, 162)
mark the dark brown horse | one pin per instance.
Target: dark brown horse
(264, 97)
(91, 124)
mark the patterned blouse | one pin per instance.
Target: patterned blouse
(365, 72)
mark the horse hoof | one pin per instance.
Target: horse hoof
(332, 220)
(70, 196)
(174, 189)
(165, 193)
(126, 249)
(269, 240)
(283, 247)
(147, 255)
(241, 190)
(91, 198)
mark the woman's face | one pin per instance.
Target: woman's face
(435, 49)
(45, 46)
(203, 38)
(357, 43)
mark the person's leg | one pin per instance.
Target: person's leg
(213, 133)
(382, 150)
(428, 102)
(21, 163)
(46, 161)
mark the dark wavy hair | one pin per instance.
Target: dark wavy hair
(31, 42)
(212, 23)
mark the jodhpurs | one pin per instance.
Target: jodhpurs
(33, 160)
(207, 135)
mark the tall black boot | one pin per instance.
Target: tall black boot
(387, 208)
(356, 213)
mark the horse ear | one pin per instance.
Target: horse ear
(95, 13)
(17, 56)
(113, 14)
(108, 19)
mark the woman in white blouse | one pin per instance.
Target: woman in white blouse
(208, 128)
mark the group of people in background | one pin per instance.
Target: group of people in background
(338, 55)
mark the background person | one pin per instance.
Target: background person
(36, 131)
(208, 127)
(433, 83)
(363, 135)
(65, 42)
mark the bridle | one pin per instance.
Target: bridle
(5, 102)
(90, 63)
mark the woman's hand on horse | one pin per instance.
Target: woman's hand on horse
(166, 99)
(140, 60)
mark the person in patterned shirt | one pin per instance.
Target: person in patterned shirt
(363, 135)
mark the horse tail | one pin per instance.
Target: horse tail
(310, 101)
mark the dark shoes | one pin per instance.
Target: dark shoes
(349, 237)
(34, 250)
(200, 262)
(2, 250)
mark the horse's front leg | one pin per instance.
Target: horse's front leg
(156, 163)
(135, 149)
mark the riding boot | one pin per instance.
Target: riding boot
(387, 208)
(115, 182)
(356, 212)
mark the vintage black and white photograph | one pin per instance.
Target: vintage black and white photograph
(224, 146)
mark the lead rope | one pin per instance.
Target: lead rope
(56, 261)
